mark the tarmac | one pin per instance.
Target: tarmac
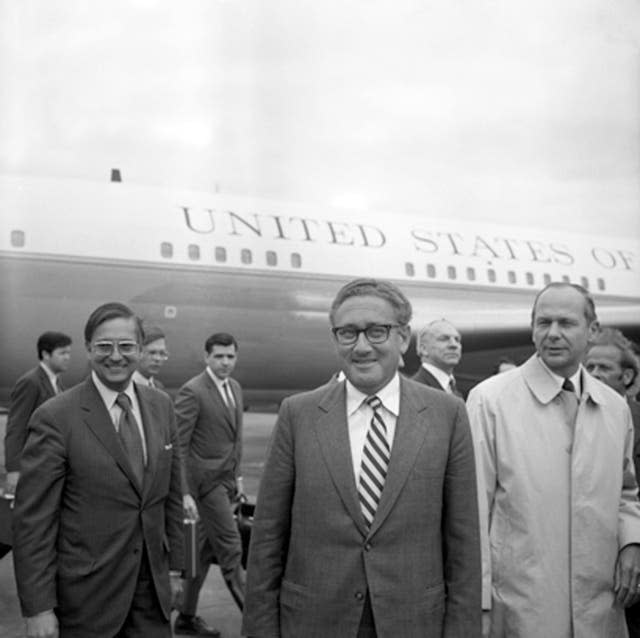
(216, 605)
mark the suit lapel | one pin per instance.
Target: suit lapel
(150, 421)
(219, 404)
(333, 436)
(411, 429)
(98, 420)
(45, 382)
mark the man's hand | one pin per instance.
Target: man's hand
(175, 582)
(627, 576)
(44, 625)
(190, 508)
(240, 489)
(10, 482)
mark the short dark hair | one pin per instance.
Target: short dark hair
(50, 341)
(589, 304)
(151, 334)
(106, 312)
(614, 337)
(374, 288)
(220, 339)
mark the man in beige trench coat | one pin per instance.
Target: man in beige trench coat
(555, 447)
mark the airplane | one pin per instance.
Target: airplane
(195, 263)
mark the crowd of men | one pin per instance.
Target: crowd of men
(388, 508)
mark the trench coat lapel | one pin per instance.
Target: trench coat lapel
(411, 429)
(96, 417)
(333, 436)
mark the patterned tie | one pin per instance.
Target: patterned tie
(228, 399)
(453, 386)
(375, 461)
(130, 436)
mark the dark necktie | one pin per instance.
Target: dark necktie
(570, 399)
(568, 385)
(375, 461)
(453, 387)
(130, 436)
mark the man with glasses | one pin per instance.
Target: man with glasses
(98, 510)
(152, 357)
(366, 523)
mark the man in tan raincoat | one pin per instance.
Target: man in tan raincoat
(555, 449)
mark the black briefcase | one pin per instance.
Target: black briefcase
(6, 514)
(244, 520)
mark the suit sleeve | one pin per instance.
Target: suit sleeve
(23, 402)
(36, 514)
(461, 538)
(187, 410)
(629, 511)
(270, 533)
(240, 414)
(173, 503)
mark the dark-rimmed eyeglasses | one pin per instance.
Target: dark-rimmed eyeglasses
(376, 333)
(105, 348)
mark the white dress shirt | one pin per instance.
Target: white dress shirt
(109, 397)
(441, 376)
(53, 378)
(359, 416)
(219, 383)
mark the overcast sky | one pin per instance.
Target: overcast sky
(500, 110)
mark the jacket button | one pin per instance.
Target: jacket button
(367, 547)
(359, 595)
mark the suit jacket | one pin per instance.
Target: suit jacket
(634, 406)
(311, 558)
(81, 520)
(30, 391)
(211, 443)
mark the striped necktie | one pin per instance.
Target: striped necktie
(130, 436)
(228, 399)
(375, 461)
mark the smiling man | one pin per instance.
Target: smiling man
(366, 523)
(98, 510)
(562, 516)
(439, 347)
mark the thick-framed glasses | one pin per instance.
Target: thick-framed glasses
(376, 333)
(105, 348)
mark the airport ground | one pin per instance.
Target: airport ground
(216, 605)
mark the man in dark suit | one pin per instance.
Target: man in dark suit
(209, 413)
(612, 360)
(439, 347)
(31, 390)
(366, 522)
(152, 357)
(98, 511)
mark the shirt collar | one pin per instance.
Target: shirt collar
(52, 377)
(216, 380)
(575, 378)
(108, 395)
(441, 376)
(389, 396)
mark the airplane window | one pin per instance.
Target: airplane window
(601, 285)
(194, 252)
(529, 278)
(584, 282)
(409, 269)
(17, 238)
(451, 272)
(511, 277)
(546, 278)
(296, 260)
(245, 256)
(431, 271)
(272, 258)
(566, 279)
(221, 253)
(491, 275)
(166, 249)
(471, 274)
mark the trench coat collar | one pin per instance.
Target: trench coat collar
(545, 387)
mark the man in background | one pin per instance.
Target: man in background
(152, 357)
(439, 348)
(30, 391)
(612, 360)
(98, 509)
(209, 412)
